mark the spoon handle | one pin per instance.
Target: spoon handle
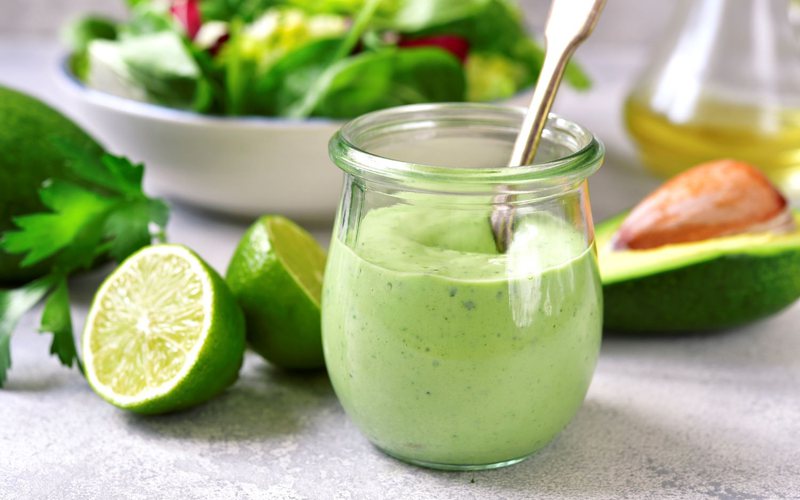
(569, 23)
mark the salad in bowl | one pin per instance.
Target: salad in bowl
(231, 102)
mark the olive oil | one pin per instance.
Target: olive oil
(767, 138)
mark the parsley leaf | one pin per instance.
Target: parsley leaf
(113, 173)
(107, 215)
(56, 319)
(135, 225)
(43, 234)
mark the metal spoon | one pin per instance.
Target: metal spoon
(569, 23)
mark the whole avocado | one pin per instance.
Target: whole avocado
(28, 157)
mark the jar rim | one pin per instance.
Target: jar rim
(353, 158)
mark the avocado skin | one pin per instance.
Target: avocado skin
(28, 157)
(728, 291)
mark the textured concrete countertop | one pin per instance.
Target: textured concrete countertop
(693, 417)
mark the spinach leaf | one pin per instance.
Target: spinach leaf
(343, 7)
(390, 77)
(427, 74)
(226, 10)
(346, 47)
(248, 57)
(291, 77)
(365, 82)
(399, 15)
(495, 26)
(417, 15)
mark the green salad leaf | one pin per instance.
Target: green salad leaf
(290, 78)
(417, 15)
(377, 80)
(359, 84)
(147, 17)
(252, 51)
(245, 10)
(80, 34)
(301, 58)
(165, 68)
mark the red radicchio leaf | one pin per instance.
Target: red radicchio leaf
(214, 49)
(187, 12)
(456, 45)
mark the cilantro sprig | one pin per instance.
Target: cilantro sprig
(107, 214)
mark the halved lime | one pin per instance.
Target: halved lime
(276, 275)
(163, 333)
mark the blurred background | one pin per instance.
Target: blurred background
(624, 21)
(719, 82)
(31, 50)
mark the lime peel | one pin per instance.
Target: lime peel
(276, 275)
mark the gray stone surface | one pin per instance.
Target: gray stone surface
(693, 417)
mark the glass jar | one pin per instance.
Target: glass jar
(444, 352)
(723, 83)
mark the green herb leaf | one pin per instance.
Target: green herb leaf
(129, 226)
(81, 226)
(13, 305)
(44, 234)
(113, 173)
(127, 175)
(57, 319)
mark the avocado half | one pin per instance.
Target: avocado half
(709, 285)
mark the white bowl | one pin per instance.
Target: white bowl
(242, 166)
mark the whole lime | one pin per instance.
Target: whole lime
(29, 156)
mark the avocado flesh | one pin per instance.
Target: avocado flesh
(28, 157)
(689, 287)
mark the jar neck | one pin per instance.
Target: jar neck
(461, 148)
